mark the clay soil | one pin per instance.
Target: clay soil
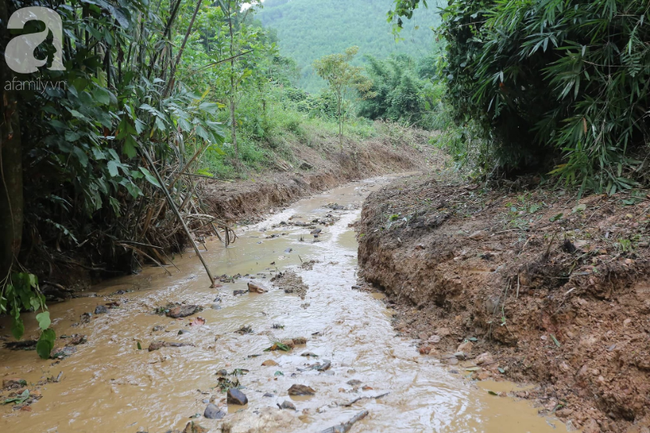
(531, 283)
(317, 167)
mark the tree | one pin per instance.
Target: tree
(11, 172)
(564, 83)
(397, 93)
(342, 79)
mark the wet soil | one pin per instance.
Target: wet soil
(532, 284)
(338, 344)
(318, 167)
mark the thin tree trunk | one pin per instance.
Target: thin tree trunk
(233, 87)
(340, 102)
(11, 170)
(170, 84)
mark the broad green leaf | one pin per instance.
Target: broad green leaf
(113, 168)
(130, 146)
(102, 95)
(45, 343)
(43, 320)
(72, 136)
(17, 327)
(81, 156)
(150, 178)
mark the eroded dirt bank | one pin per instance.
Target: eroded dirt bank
(533, 285)
(286, 344)
(317, 168)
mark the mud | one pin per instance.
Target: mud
(533, 284)
(248, 201)
(342, 347)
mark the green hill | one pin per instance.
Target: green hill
(310, 29)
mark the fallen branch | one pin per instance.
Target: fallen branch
(178, 215)
(363, 398)
(345, 427)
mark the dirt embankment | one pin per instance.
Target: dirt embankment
(554, 289)
(318, 168)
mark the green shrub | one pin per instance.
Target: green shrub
(561, 83)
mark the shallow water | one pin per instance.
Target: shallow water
(109, 385)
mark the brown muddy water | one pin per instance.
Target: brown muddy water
(109, 385)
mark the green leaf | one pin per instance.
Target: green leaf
(130, 146)
(72, 136)
(150, 178)
(18, 399)
(139, 346)
(43, 320)
(46, 343)
(113, 168)
(17, 327)
(81, 156)
(579, 208)
(557, 343)
(102, 95)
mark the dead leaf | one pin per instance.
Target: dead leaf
(197, 321)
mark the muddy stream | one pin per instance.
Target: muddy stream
(109, 385)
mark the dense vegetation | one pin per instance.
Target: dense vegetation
(100, 167)
(308, 30)
(552, 84)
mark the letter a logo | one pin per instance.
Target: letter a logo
(19, 53)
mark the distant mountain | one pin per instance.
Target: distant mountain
(310, 29)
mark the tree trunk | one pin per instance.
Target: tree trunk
(233, 88)
(339, 100)
(11, 171)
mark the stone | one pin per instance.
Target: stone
(591, 426)
(254, 288)
(101, 309)
(443, 332)
(269, 363)
(301, 390)
(563, 413)
(354, 382)
(237, 397)
(434, 339)
(478, 235)
(158, 328)
(289, 343)
(13, 383)
(215, 306)
(268, 419)
(484, 358)
(157, 345)
(213, 412)
(465, 347)
(287, 405)
(183, 311)
(299, 340)
(192, 427)
(460, 356)
(324, 366)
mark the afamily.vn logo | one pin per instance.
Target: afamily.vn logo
(19, 53)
